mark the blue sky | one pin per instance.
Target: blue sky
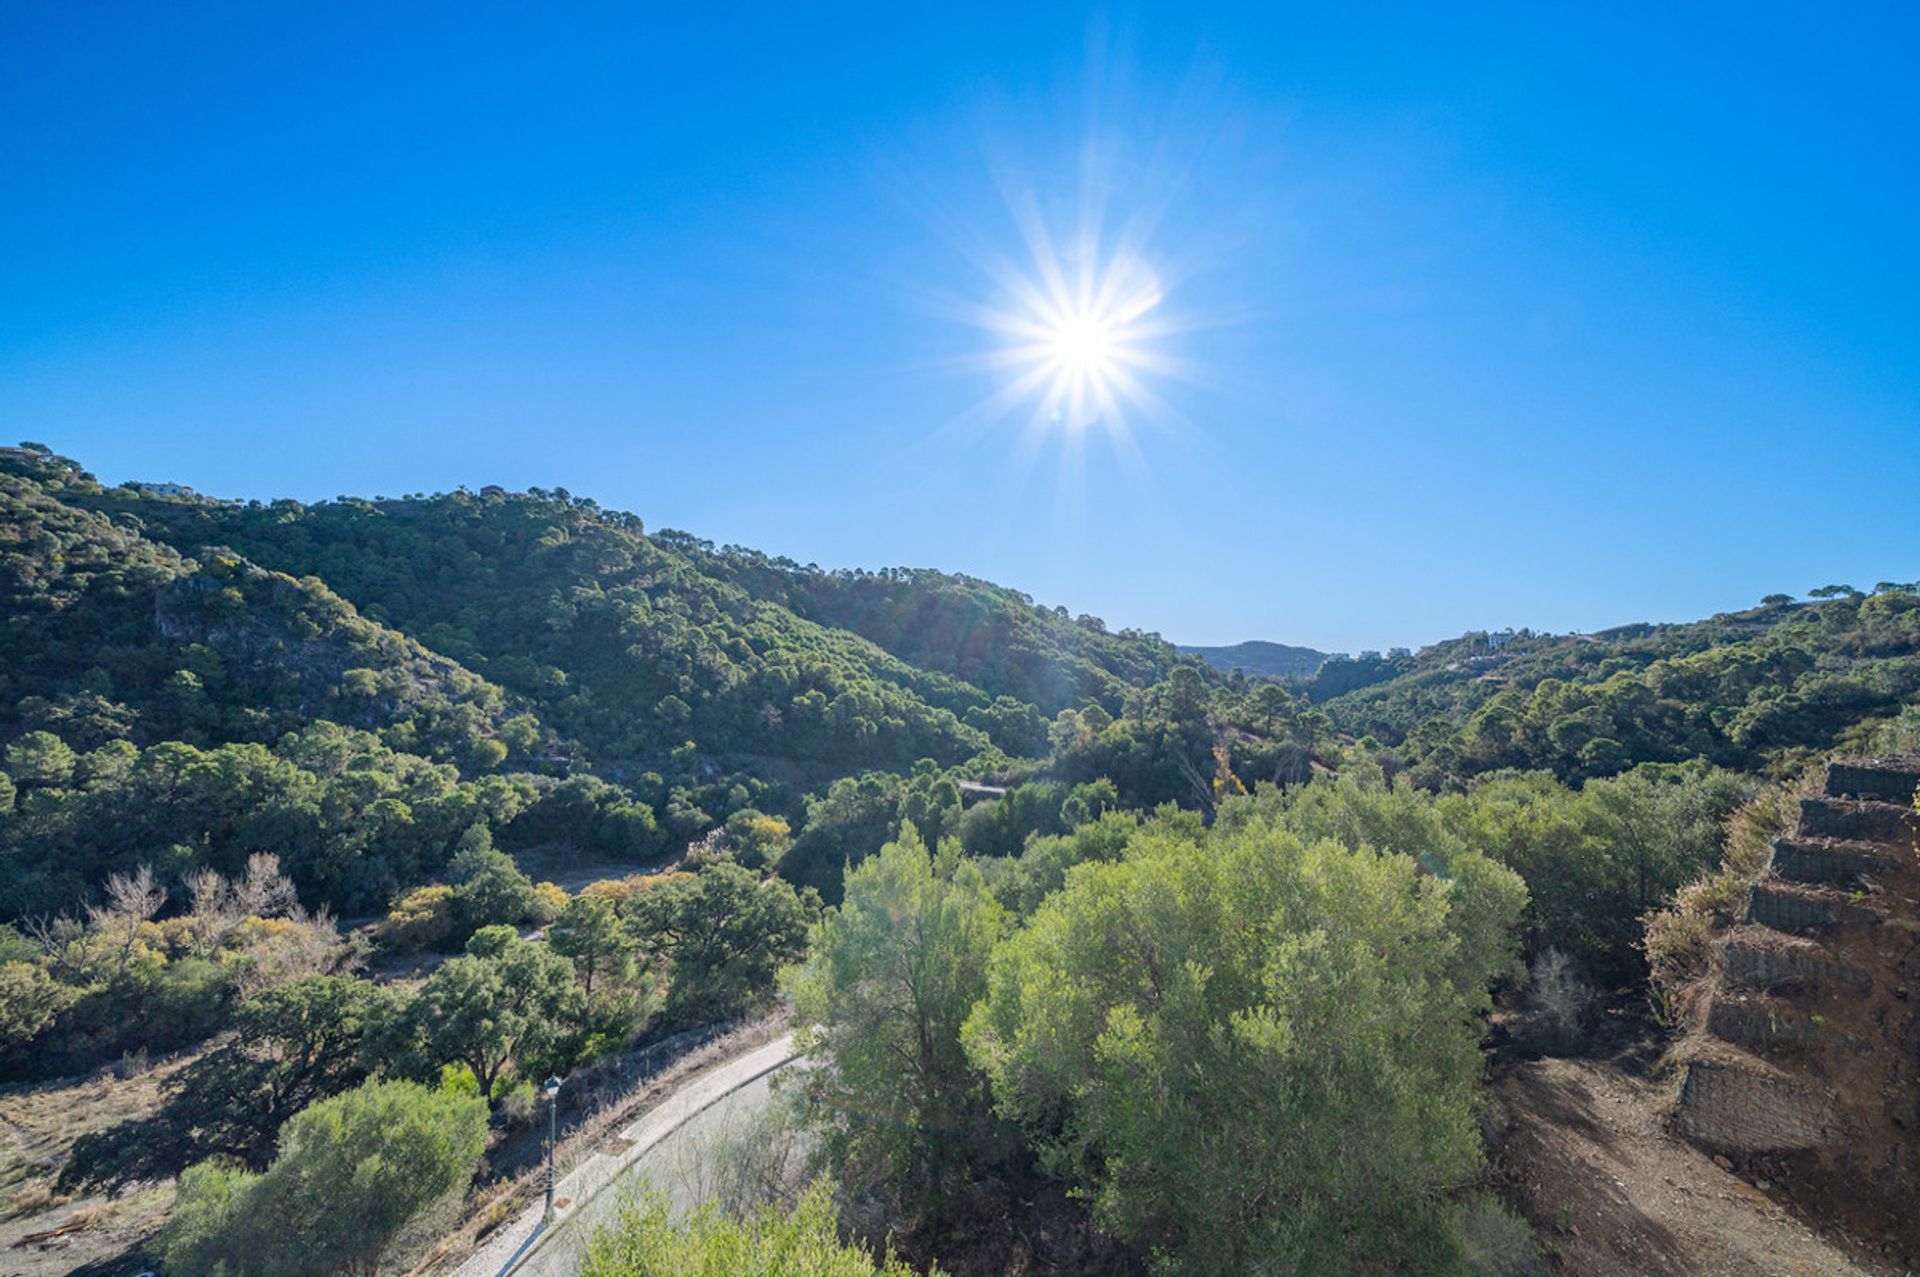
(1524, 316)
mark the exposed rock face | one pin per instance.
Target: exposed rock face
(1811, 1053)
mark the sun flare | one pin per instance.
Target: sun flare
(1076, 335)
(1081, 344)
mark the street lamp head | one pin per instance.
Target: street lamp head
(553, 1087)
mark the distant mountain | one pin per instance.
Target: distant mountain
(1261, 659)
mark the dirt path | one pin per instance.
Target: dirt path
(1589, 1161)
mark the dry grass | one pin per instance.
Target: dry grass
(1682, 940)
(38, 1126)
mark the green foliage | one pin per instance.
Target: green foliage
(588, 813)
(724, 932)
(756, 840)
(647, 1241)
(488, 888)
(576, 610)
(1149, 761)
(350, 1173)
(90, 988)
(844, 826)
(1764, 688)
(1153, 1005)
(40, 760)
(506, 1001)
(30, 1002)
(421, 920)
(349, 819)
(1001, 827)
(1598, 859)
(891, 976)
(589, 934)
(1021, 883)
(1595, 860)
(997, 639)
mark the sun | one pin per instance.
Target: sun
(1082, 344)
(1075, 334)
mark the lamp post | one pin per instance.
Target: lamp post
(553, 1131)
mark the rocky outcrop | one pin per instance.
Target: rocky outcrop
(1807, 1059)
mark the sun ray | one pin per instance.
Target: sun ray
(1074, 327)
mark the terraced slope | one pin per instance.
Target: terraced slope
(1809, 1061)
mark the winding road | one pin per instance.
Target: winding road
(652, 1152)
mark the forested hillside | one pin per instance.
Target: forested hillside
(227, 724)
(1758, 690)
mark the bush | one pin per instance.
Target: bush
(646, 1242)
(421, 920)
(488, 888)
(350, 1174)
(725, 931)
(549, 898)
(1558, 1005)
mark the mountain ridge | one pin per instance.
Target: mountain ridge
(1260, 658)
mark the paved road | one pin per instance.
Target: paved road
(659, 1150)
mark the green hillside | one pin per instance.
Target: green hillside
(221, 720)
(1260, 659)
(1760, 690)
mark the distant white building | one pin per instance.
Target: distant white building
(1398, 653)
(1499, 639)
(165, 489)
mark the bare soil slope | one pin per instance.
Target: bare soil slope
(1587, 1158)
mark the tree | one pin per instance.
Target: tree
(486, 754)
(890, 977)
(505, 1001)
(421, 919)
(350, 1173)
(757, 840)
(488, 888)
(1663, 825)
(30, 1000)
(725, 931)
(843, 827)
(1273, 706)
(40, 760)
(648, 1241)
(1252, 1053)
(1183, 696)
(589, 934)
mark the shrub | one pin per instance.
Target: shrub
(646, 1242)
(423, 919)
(549, 898)
(1558, 1003)
(350, 1173)
(891, 976)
